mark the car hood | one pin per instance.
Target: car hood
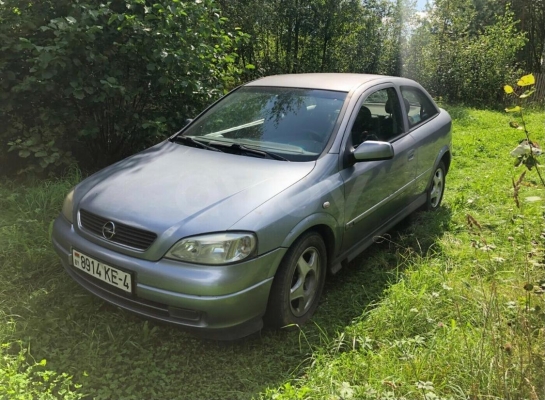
(178, 191)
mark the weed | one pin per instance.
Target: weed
(22, 378)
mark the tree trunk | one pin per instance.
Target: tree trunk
(543, 58)
(296, 38)
(329, 13)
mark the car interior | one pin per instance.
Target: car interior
(379, 118)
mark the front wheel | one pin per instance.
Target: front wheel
(436, 188)
(298, 283)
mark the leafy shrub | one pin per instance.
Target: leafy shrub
(462, 64)
(98, 81)
(21, 380)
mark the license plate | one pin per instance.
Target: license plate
(105, 273)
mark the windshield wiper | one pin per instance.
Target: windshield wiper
(243, 148)
(196, 143)
(213, 145)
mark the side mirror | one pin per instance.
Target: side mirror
(188, 121)
(372, 150)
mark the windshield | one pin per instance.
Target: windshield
(293, 123)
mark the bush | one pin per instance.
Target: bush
(463, 65)
(23, 380)
(97, 81)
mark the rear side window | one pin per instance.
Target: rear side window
(379, 118)
(417, 105)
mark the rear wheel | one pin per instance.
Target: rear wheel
(436, 189)
(298, 283)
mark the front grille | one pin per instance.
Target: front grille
(124, 234)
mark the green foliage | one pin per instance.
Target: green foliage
(528, 150)
(463, 318)
(437, 309)
(297, 36)
(24, 380)
(462, 50)
(99, 81)
(454, 61)
(91, 82)
(117, 355)
(531, 13)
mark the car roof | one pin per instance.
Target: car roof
(326, 81)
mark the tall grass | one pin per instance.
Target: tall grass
(465, 320)
(26, 260)
(450, 305)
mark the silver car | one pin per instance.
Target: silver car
(238, 218)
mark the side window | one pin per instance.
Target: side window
(419, 107)
(379, 118)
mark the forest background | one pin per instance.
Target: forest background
(87, 83)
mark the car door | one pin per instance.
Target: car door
(421, 110)
(376, 191)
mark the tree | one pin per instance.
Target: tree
(289, 36)
(106, 79)
(459, 63)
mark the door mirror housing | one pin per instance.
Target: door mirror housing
(372, 150)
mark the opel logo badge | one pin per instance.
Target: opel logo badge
(108, 230)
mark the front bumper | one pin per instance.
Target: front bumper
(223, 302)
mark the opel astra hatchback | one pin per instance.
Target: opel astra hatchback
(237, 219)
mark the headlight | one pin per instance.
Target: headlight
(216, 248)
(68, 206)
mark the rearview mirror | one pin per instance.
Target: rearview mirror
(372, 150)
(188, 121)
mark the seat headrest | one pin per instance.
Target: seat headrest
(388, 107)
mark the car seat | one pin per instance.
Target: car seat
(363, 128)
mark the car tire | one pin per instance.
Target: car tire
(436, 189)
(298, 283)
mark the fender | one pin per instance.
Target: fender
(314, 220)
(444, 150)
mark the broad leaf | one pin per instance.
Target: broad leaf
(526, 80)
(78, 94)
(508, 89)
(527, 93)
(514, 109)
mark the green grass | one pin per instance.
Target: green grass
(437, 309)
(114, 354)
(458, 322)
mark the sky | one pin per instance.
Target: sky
(420, 4)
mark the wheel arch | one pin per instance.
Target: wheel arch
(280, 311)
(329, 240)
(323, 224)
(446, 158)
(443, 156)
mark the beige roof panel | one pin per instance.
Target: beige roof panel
(325, 81)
